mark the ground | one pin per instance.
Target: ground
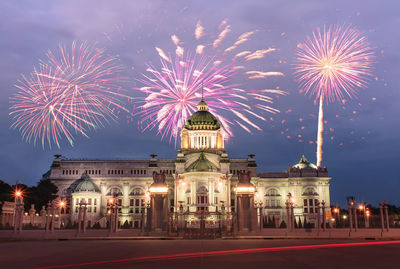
(61, 254)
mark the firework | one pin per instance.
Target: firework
(68, 94)
(174, 88)
(331, 64)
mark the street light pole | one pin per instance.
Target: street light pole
(84, 217)
(288, 216)
(47, 217)
(387, 216)
(381, 213)
(318, 216)
(355, 216)
(323, 215)
(350, 205)
(52, 216)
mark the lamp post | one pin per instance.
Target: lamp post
(61, 206)
(53, 211)
(336, 211)
(323, 215)
(180, 217)
(318, 216)
(80, 216)
(84, 216)
(287, 215)
(18, 213)
(367, 214)
(350, 206)
(361, 207)
(290, 212)
(116, 214)
(147, 205)
(355, 217)
(110, 212)
(381, 213)
(387, 215)
(47, 217)
(259, 206)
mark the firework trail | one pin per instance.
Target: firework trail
(69, 93)
(331, 64)
(173, 89)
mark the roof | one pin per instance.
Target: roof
(304, 163)
(202, 119)
(85, 184)
(202, 164)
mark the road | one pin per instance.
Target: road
(278, 253)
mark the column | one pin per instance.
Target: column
(125, 203)
(103, 199)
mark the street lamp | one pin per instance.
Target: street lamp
(290, 211)
(259, 206)
(19, 208)
(367, 214)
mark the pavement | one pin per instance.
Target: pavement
(244, 253)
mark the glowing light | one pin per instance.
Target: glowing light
(332, 64)
(62, 203)
(243, 190)
(190, 255)
(158, 190)
(18, 193)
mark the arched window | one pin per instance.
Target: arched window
(310, 200)
(272, 198)
(114, 192)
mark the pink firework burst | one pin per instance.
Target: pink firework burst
(175, 88)
(66, 95)
(332, 64)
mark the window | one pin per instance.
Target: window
(273, 198)
(310, 201)
(136, 203)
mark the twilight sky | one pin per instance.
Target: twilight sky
(362, 137)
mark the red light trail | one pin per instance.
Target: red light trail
(219, 253)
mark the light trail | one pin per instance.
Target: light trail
(219, 253)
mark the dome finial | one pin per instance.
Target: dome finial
(202, 106)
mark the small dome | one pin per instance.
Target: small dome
(202, 165)
(304, 163)
(202, 119)
(85, 184)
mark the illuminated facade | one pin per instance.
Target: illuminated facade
(202, 178)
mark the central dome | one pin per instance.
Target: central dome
(202, 119)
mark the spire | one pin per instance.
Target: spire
(202, 90)
(303, 159)
(202, 106)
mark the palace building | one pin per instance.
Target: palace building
(202, 178)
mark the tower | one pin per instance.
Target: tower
(202, 131)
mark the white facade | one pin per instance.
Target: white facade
(201, 177)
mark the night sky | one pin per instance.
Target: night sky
(362, 136)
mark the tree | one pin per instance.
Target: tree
(283, 224)
(5, 192)
(44, 192)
